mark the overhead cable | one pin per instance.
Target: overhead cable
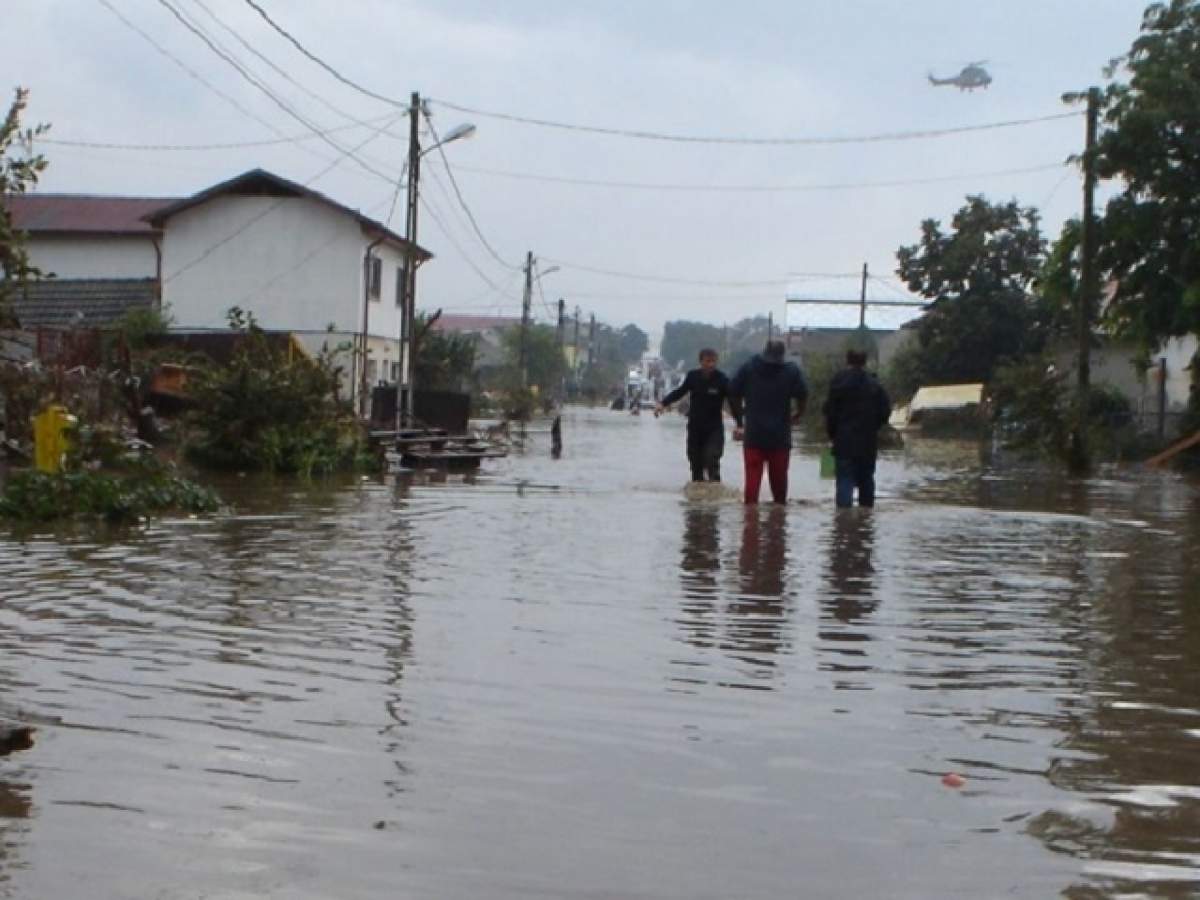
(241, 70)
(767, 141)
(231, 145)
(283, 32)
(782, 279)
(462, 200)
(757, 188)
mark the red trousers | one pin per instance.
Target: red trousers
(776, 462)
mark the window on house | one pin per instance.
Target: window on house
(371, 369)
(376, 277)
(395, 371)
(401, 273)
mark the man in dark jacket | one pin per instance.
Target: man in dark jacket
(707, 389)
(856, 409)
(768, 385)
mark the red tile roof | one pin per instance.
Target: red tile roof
(84, 213)
(475, 323)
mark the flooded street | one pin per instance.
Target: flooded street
(565, 679)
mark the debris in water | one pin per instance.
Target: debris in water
(953, 780)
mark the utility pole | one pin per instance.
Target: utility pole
(562, 348)
(1080, 457)
(591, 341)
(575, 354)
(526, 300)
(770, 325)
(408, 294)
(862, 300)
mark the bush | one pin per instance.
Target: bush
(269, 410)
(37, 496)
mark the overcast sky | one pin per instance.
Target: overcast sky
(756, 69)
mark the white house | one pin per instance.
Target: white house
(89, 237)
(296, 259)
(299, 261)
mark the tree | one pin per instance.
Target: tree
(632, 343)
(1150, 240)
(979, 277)
(683, 340)
(18, 173)
(443, 361)
(544, 361)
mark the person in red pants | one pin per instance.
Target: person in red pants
(768, 387)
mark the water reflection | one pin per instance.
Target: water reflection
(757, 615)
(699, 571)
(849, 597)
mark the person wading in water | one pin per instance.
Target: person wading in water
(856, 409)
(707, 389)
(768, 385)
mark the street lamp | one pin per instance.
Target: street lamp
(408, 299)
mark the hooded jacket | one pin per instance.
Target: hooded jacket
(767, 388)
(856, 409)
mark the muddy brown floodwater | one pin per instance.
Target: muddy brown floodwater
(566, 679)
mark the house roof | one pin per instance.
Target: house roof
(81, 302)
(261, 183)
(84, 213)
(475, 323)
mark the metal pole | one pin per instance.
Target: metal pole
(562, 347)
(362, 404)
(408, 302)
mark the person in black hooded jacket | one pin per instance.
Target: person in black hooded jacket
(857, 407)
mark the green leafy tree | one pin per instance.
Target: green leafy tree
(19, 171)
(979, 276)
(1150, 245)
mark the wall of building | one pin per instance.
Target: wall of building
(93, 256)
(1113, 364)
(296, 263)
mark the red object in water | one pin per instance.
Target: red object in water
(953, 780)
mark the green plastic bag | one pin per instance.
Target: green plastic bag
(828, 464)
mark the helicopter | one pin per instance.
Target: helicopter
(973, 75)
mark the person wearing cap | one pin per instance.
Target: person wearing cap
(773, 393)
(857, 407)
(707, 388)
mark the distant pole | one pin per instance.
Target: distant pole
(862, 300)
(526, 299)
(1080, 458)
(562, 347)
(770, 325)
(575, 354)
(591, 341)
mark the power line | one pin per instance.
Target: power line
(212, 248)
(337, 110)
(755, 188)
(446, 233)
(231, 145)
(767, 141)
(781, 280)
(320, 62)
(188, 69)
(458, 193)
(241, 70)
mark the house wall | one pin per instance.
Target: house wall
(1113, 364)
(295, 263)
(93, 256)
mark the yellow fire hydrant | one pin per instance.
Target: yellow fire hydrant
(50, 442)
